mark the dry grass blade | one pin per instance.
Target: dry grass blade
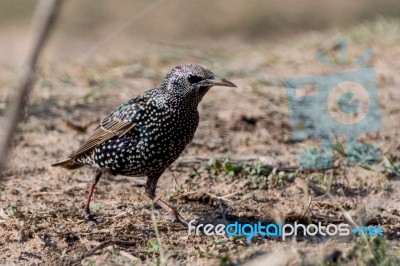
(155, 227)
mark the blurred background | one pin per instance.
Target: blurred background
(84, 24)
(242, 164)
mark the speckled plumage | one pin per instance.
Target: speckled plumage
(144, 135)
(161, 132)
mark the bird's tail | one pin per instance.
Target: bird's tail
(68, 163)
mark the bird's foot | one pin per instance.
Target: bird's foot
(176, 217)
(173, 214)
(89, 218)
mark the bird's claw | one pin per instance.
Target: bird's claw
(182, 221)
(176, 218)
(90, 219)
(174, 215)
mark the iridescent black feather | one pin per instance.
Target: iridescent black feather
(144, 135)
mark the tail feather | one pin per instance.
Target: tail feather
(68, 163)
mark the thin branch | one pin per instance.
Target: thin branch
(43, 21)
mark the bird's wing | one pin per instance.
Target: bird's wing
(121, 121)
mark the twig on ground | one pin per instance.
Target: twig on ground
(120, 215)
(36, 194)
(108, 243)
(129, 256)
(222, 197)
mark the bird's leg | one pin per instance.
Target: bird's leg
(87, 215)
(173, 212)
(150, 189)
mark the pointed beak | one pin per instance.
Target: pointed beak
(216, 81)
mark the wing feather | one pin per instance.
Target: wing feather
(118, 123)
(102, 133)
(121, 121)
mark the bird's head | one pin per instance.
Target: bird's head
(192, 81)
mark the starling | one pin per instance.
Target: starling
(144, 135)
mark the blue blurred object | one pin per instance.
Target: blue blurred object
(343, 104)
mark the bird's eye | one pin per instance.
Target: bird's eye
(194, 79)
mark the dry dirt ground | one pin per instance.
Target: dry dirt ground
(224, 175)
